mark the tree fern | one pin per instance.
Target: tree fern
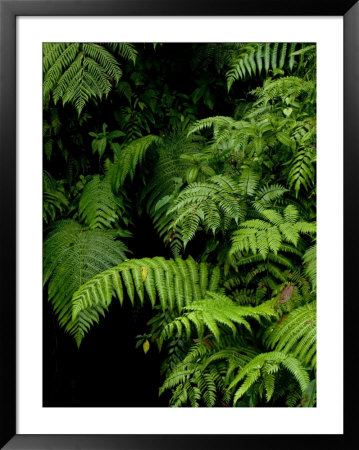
(236, 324)
(233, 351)
(240, 138)
(267, 195)
(175, 348)
(55, 201)
(204, 388)
(253, 59)
(169, 170)
(249, 181)
(125, 50)
(282, 89)
(302, 172)
(296, 334)
(75, 72)
(201, 377)
(72, 256)
(217, 122)
(129, 158)
(194, 384)
(264, 365)
(310, 261)
(214, 203)
(99, 207)
(267, 234)
(216, 309)
(171, 283)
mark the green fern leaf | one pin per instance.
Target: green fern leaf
(249, 180)
(302, 173)
(216, 309)
(252, 371)
(296, 335)
(173, 282)
(76, 72)
(129, 158)
(310, 261)
(264, 236)
(274, 55)
(282, 55)
(54, 198)
(214, 203)
(72, 256)
(99, 207)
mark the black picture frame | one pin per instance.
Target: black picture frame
(9, 10)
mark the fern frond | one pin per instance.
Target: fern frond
(196, 380)
(302, 172)
(99, 207)
(249, 60)
(249, 180)
(241, 138)
(252, 372)
(267, 195)
(264, 236)
(310, 261)
(54, 199)
(296, 334)
(76, 72)
(214, 203)
(129, 158)
(169, 169)
(168, 175)
(125, 50)
(217, 123)
(169, 283)
(282, 88)
(216, 309)
(72, 256)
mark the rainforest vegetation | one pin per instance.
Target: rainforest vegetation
(179, 211)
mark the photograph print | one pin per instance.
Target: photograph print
(179, 224)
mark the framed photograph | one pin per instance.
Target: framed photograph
(165, 167)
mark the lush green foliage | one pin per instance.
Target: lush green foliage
(72, 256)
(75, 72)
(221, 169)
(175, 283)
